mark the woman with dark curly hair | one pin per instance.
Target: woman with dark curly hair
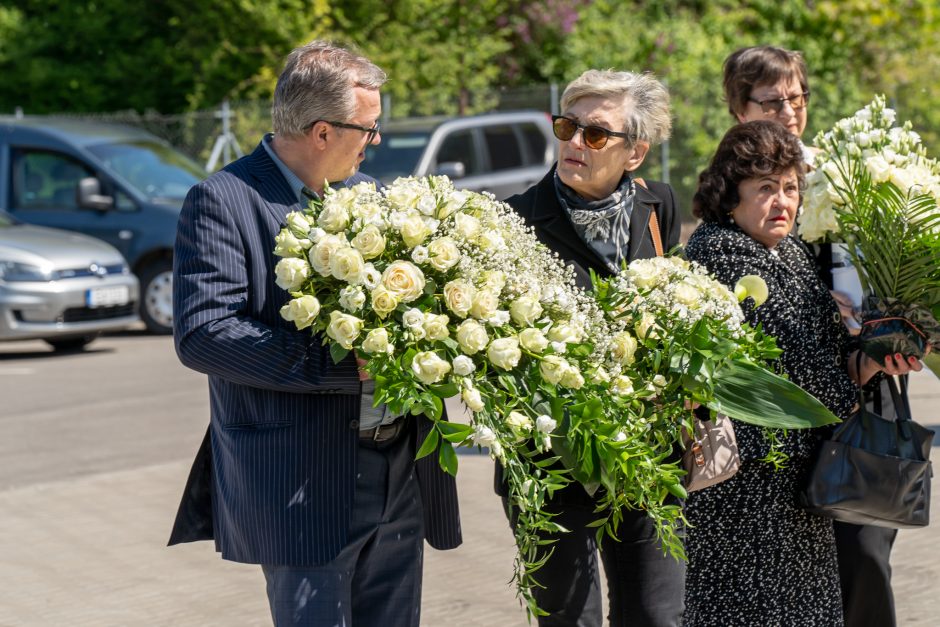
(755, 557)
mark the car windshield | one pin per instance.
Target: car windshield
(154, 169)
(396, 156)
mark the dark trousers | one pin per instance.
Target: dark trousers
(645, 587)
(865, 574)
(376, 578)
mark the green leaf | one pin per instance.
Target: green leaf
(444, 390)
(438, 408)
(751, 394)
(448, 458)
(429, 444)
(338, 353)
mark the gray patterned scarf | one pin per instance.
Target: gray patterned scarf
(604, 224)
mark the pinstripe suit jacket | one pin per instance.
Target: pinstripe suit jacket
(274, 480)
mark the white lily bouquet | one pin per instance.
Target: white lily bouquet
(681, 338)
(875, 189)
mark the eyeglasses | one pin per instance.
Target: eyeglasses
(370, 132)
(594, 136)
(773, 106)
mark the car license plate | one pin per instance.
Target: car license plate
(107, 296)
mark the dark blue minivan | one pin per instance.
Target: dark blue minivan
(113, 182)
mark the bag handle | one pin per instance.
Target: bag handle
(654, 224)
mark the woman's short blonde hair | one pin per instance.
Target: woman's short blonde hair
(645, 101)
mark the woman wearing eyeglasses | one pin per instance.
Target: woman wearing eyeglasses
(596, 215)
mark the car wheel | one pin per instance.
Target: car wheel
(71, 344)
(156, 297)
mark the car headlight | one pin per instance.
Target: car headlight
(16, 271)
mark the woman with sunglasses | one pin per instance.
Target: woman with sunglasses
(596, 215)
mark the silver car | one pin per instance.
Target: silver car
(504, 153)
(61, 287)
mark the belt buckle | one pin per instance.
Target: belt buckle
(375, 433)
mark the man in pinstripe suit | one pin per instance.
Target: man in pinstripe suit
(297, 472)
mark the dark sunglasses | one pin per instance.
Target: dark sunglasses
(370, 132)
(594, 136)
(775, 105)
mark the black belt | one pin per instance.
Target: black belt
(383, 434)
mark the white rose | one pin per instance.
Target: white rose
(553, 368)
(324, 250)
(519, 422)
(352, 298)
(435, 326)
(472, 337)
(413, 319)
(316, 234)
(533, 340)
(643, 273)
(414, 231)
(525, 310)
(429, 368)
(484, 436)
(299, 224)
(622, 386)
(371, 278)
(485, 304)
(404, 279)
(344, 328)
(646, 326)
(572, 378)
(466, 227)
(376, 341)
(458, 296)
(426, 204)
(301, 311)
(396, 219)
(600, 376)
(287, 245)
(444, 254)
(491, 240)
(659, 382)
(472, 399)
(420, 254)
(687, 294)
(463, 365)
(369, 242)
(493, 280)
(504, 353)
(347, 264)
(500, 318)
(545, 424)
(624, 346)
(291, 272)
(563, 333)
(455, 200)
(384, 301)
(334, 217)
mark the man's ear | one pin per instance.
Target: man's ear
(639, 154)
(319, 133)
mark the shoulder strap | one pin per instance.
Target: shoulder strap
(654, 224)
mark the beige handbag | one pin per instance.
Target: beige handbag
(711, 456)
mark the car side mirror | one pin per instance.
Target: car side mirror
(90, 197)
(451, 169)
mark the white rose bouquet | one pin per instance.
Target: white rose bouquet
(875, 189)
(446, 293)
(678, 337)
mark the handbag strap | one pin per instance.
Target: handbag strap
(653, 224)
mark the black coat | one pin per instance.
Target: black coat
(539, 207)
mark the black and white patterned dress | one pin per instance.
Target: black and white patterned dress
(755, 558)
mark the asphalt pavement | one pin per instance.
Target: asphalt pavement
(94, 451)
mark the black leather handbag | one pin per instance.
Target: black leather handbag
(874, 471)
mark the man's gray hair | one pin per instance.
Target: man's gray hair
(644, 101)
(317, 84)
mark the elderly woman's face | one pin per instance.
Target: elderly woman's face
(768, 206)
(778, 104)
(594, 174)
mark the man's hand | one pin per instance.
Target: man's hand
(363, 375)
